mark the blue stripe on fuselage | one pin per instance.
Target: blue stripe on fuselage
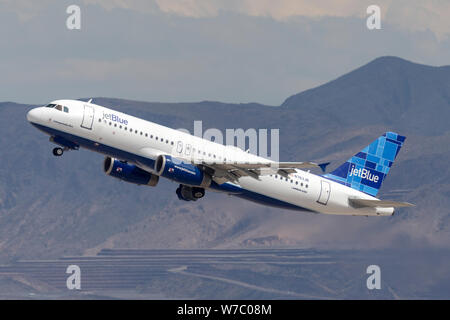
(131, 157)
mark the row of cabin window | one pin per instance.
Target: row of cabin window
(209, 154)
(200, 152)
(136, 131)
(291, 180)
(162, 139)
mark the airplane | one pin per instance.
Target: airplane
(140, 152)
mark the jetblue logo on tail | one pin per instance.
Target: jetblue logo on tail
(366, 170)
(368, 177)
(364, 174)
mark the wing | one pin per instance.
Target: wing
(359, 203)
(223, 172)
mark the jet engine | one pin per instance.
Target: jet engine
(128, 172)
(182, 172)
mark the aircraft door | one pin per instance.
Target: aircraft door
(88, 117)
(180, 147)
(325, 190)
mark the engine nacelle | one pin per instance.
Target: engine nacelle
(182, 172)
(128, 172)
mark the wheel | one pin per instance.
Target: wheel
(180, 194)
(57, 152)
(198, 193)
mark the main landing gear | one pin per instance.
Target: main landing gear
(58, 152)
(188, 193)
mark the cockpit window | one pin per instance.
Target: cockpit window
(58, 107)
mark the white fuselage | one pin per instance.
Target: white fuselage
(136, 140)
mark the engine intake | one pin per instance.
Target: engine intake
(182, 172)
(128, 172)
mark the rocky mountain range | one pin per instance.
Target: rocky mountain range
(51, 206)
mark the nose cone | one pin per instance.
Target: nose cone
(33, 115)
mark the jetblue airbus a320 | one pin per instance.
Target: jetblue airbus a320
(140, 152)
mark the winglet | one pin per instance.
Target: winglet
(323, 166)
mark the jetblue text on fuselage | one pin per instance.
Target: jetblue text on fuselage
(364, 174)
(115, 118)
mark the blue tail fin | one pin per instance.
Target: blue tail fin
(366, 170)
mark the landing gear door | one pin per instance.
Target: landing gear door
(88, 117)
(325, 190)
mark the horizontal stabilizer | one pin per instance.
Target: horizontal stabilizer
(359, 203)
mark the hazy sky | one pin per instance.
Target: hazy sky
(185, 50)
